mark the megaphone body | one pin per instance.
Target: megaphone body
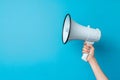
(75, 31)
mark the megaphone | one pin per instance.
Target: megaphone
(75, 31)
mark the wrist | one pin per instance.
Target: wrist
(91, 59)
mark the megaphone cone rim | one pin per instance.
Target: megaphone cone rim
(69, 28)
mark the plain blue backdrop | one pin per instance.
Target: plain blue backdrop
(31, 39)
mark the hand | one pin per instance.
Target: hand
(88, 49)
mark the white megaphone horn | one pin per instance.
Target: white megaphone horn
(75, 31)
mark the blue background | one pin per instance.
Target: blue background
(30, 39)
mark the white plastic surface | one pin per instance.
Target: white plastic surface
(84, 57)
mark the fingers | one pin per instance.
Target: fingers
(87, 48)
(91, 47)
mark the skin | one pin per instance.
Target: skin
(89, 49)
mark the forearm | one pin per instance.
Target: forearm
(96, 69)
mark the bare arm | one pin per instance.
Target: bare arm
(93, 63)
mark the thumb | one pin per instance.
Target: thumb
(91, 49)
